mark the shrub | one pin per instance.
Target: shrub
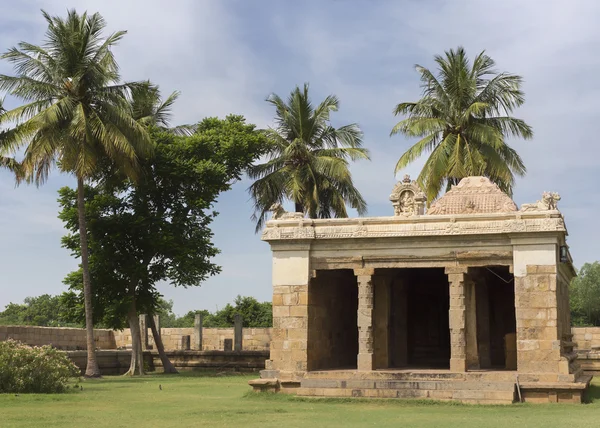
(34, 369)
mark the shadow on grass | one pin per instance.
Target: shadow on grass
(156, 376)
(593, 394)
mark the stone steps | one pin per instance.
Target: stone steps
(474, 392)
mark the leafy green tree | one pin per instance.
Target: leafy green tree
(463, 120)
(585, 296)
(254, 314)
(307, 162)
(75, 116)
(44, 310)
(159, 229)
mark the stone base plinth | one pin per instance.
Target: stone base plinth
(475, 387)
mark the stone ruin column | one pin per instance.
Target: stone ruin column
(457, 316)
(198, 332)
(365, 319)
(144, 331)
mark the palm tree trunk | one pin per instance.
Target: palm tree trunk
(299, 207)
(168, 366)
(92, 369)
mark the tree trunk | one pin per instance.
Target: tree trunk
(92, 369)
(168, 367)
(299, 207)
(136, 365)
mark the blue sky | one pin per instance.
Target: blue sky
(226, 56)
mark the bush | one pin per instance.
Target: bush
(34, 369)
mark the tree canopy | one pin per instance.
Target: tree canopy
(159, 229)
(308, 160)
(585, 296)
(44, 310)
(254, 314)
(463, 121)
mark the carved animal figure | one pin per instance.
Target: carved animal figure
(548, 202)
(279, 213)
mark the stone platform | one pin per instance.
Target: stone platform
(473, 387)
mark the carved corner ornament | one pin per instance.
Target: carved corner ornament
(279, 213)
(549, 202)
(408, 198)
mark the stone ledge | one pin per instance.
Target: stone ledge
(264, 385)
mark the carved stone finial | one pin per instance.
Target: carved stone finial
(548, 202)
(281, 214)
(473, 195)
(407, 198)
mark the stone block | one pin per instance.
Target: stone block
(277, 299)
(281, 311)
(299, 311)
(292, 322)
(290, 299)
(457, 318)
(297, 333)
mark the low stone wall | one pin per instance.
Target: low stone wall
(254, 339)
(59, 337)
(115, 362)
(586, 337)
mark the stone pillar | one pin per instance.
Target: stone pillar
(483, 325)
(144, 331)
(198, 332)
(365, 319)
(185, 342)
(472, 351)
(457, 318)
(381, 324)
(157, 323)
(237, 333)
(536, 307)
(289, 337)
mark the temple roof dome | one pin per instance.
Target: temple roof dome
(473, 195)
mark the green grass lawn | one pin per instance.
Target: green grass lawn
(191, 400)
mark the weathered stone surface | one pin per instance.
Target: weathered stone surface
(473, 195)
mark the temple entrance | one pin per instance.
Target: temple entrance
(496, 320)
(417, 333)
(332, 320)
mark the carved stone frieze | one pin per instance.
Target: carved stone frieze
(461, 225)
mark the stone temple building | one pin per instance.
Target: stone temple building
(467, 300)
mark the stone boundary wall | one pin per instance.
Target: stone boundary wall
(586, 337)
(254, 339)
(59, 337)
(114, 362)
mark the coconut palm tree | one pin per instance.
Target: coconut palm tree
(463, 121)
(75, 116)
(308, 159)
(149, 109)
(7, 162)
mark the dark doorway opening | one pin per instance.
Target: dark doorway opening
(419, 333)
(332, 320)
